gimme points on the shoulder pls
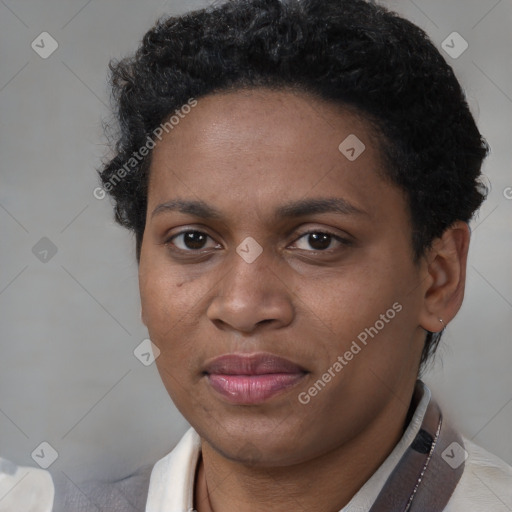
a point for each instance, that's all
(24, 488)
(486, 483)
(128, 494)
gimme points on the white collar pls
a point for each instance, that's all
(171, 488)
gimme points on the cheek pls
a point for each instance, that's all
(173, 308)
(371, 305)
(348, 298)
(170, 309)
(165, 295)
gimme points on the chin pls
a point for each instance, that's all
(264, 445)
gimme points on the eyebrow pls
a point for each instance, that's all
(297, 208)
(304, 207)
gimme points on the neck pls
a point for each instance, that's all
(324, 484)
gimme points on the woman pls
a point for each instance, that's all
(299, 176)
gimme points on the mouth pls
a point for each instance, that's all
(247, 379)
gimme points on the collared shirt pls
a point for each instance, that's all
(485, 486)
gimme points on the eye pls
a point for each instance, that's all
(319, 241)
(192, 240)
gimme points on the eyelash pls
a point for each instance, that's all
(342, 241)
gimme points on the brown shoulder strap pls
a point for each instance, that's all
(429, 470)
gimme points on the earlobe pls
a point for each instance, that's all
(446, 267)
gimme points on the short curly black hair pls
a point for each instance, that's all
(350, 52)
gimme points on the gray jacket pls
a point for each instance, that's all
(126, 495)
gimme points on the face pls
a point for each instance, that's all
(276, 276)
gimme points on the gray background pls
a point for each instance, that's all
(69, 325)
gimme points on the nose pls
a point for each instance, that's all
(251, 296)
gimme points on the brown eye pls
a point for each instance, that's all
(190, 240)
(319, 241)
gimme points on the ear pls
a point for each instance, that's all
(443, 287)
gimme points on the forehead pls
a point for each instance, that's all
(267, 146)
(251, 118)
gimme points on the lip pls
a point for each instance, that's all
(246, 379)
